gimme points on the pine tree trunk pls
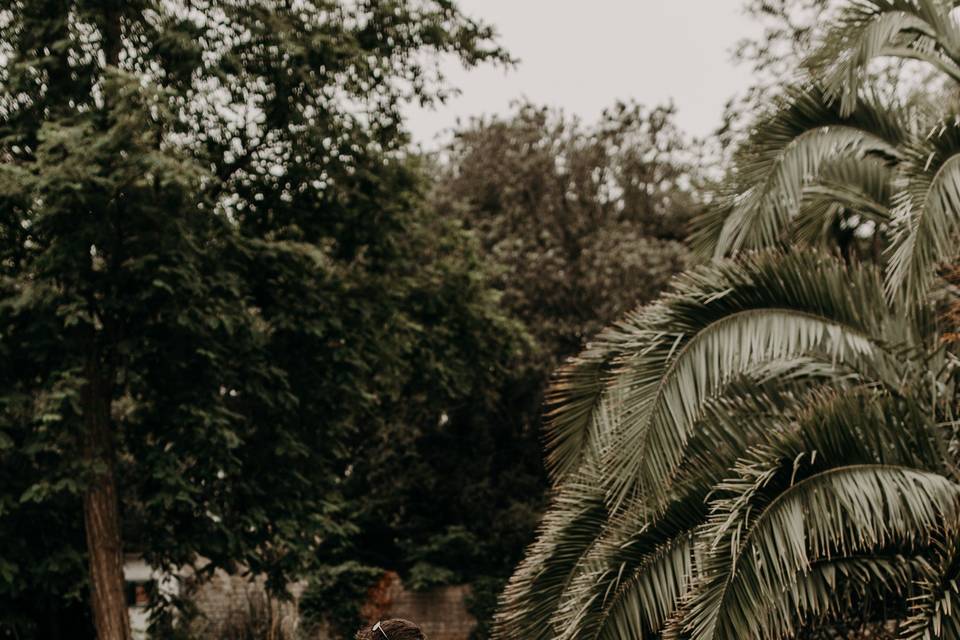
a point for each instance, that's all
(101, 512)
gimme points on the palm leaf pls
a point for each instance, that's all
(836, 512)
(631, 558)
(706, 228)
(829, 490)
(785, 153)
(869, 29)
(935, 611)
(722, 321)
(834, 587)
(574, 395)
(649, 595)
(927, 210)
(618, 566)
(632, 563)
(859, 188)
(571, 525)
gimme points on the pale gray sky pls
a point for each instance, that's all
(583, 55)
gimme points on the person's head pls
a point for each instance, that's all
(393, 629)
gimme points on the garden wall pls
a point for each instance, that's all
(228, 600)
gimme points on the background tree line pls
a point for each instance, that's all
(574, 224)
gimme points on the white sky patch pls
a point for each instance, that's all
(584, 56)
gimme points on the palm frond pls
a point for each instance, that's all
(706, 228)
(927, 210)
(833, 588)
(649, 595)
(833, 488)
(935, 611)
(571, 525)
(833, 513)
(848, 192)
(785, 153)
(866, 30)
(722, 321)
(647, 563)
(574, 395)
(751, 409)
(632, 557)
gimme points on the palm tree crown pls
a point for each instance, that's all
(771, 447)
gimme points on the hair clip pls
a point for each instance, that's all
(377, 627)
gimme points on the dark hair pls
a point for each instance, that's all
(393, 629)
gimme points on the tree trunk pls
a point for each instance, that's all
(101, 507)
(101, 511)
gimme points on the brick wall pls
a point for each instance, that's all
(225, 600)
(441, 612)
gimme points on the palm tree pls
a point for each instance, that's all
(771, 447)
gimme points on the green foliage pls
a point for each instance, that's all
(769, 449)
(335, 595)
(784, 37)
(583, 222)
(207, 227)
(857, 155)
(628, 546)
(574, 223)
(270, 297)
(482, 604)
(794, 143)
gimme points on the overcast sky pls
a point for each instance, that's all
(583, 55)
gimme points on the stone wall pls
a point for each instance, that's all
(225, 601)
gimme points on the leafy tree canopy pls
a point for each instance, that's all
(216, 276)
(583, 220)
(577, 222)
